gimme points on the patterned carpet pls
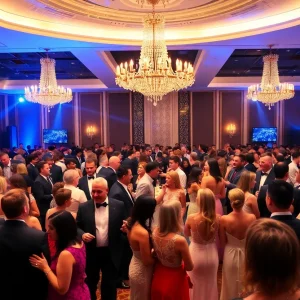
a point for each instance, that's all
(124, 294)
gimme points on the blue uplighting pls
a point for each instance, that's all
(21, 99)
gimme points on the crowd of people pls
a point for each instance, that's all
(158, 220)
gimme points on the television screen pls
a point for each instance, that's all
(55, 136)
(264, 134)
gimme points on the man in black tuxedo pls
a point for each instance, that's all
(279, 199)
(85, 182)
(119, 191)
(110, 173)
(42, 190)
(131, 162)
(281, 171)
(55, 171)
(234, 176)
(79, 157)
(32, 170)
(266, 174)
(99, 222)
(17, 243)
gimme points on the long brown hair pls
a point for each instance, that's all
(245, 180)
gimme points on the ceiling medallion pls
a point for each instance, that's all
(270, 90)
(152, 2)
(48, 93)
(154, 77)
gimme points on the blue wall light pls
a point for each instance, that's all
(21, 99)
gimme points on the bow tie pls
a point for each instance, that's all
(90, 177)
(104, 204)
(264, 174)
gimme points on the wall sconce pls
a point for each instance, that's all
(90, 131)
(231, 130)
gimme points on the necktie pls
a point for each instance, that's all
(233, 176)
(104, 204)
(49, 180)
(264, 174)
(90, 177)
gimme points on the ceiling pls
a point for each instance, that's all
(249, 62)
(120, 21)
(224, 39)
(19, 66)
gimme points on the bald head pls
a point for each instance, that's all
(114, 162)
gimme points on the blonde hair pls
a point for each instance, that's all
(207, 205)
(177, 152)
(237, 198)
(170, 218)
(21, 169)
(175, 177)
(143, 164)
(3, 185)
(245, 180)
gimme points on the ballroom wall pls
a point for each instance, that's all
(121, 117)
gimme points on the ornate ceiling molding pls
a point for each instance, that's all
(120, 22)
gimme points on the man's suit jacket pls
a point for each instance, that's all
(84, 186)
(290, 221)
(42, 192)
(269, 179)
(132, 164)
(251, 168)
(296, 202)
(118, 192)
(86, 224)
(145, 187)
(233, 177)
(56, 174)
(32, 172)
(109, 174)
(17, 243)
(261, 202)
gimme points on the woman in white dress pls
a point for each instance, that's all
(139, 236)
(233, 229)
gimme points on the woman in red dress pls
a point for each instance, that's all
(170, 280)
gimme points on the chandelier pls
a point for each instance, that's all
(270, 90)
(48, 93)
(154, 77)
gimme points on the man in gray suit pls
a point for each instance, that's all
(145, 185)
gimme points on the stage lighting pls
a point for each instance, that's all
(21, 99)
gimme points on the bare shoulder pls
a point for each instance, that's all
(180, 241)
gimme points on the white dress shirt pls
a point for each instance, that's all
(182, 178)
(283, 213)
(263, 178)
(293, 170)
(48, 179)
(90, 182)
(78, 196)
(7, 171)
(101, 221)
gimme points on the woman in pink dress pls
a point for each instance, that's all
(203, 229)
(66, 274)
(214, 181)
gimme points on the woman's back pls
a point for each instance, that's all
(165, 248)
(216, 187)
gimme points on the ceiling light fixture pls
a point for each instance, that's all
(154, 76)
(270, 90)
(48, 93)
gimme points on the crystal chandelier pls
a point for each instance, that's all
(270, 90)
(48, 93)
(154, 77)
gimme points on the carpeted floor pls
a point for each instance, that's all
(124, 294)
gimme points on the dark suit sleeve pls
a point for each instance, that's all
(79, 222)
(38, 192)
(45, 247)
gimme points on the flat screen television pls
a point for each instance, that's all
(264, 134)
(55, 136)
